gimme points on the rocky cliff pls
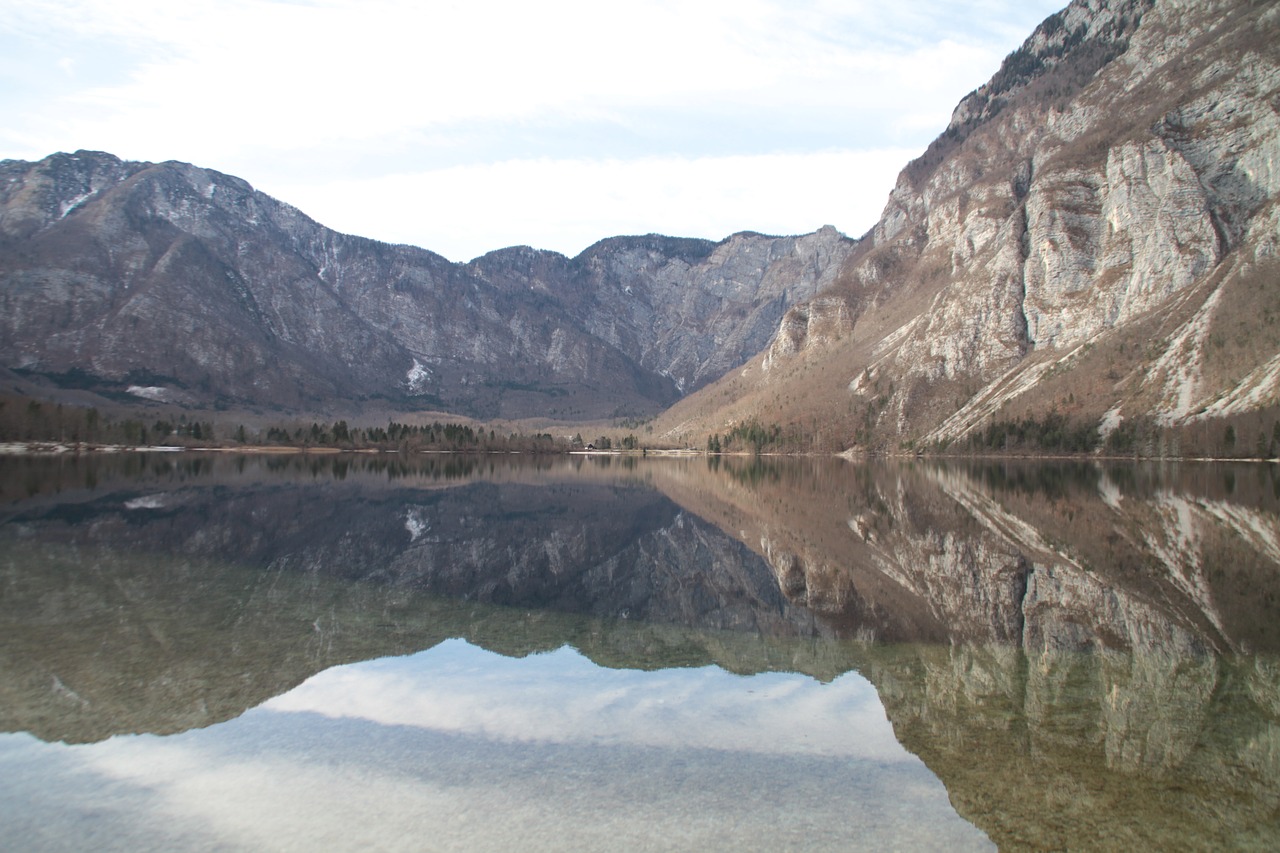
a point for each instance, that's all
(1094, 234)
(175, 283)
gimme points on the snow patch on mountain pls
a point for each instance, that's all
(418, 377)
(71, 204)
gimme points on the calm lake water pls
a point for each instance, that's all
(453, 653)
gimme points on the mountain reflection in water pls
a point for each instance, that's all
(1084, 654)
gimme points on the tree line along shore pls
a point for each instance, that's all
(30, 424)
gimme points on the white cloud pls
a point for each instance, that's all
(346, 100)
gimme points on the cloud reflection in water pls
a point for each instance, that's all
(562, 697)
(459, 748)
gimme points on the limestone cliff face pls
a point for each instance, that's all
(816, 323)
(687, 309)
(1114, 184)
(171, 282)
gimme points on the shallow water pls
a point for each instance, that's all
(250, 653)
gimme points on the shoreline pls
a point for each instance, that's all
(57, 448)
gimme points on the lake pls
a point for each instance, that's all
(216, 652)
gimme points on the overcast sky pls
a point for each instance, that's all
(470, 126)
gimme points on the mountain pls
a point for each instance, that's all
(175, 283)
(1089, 251)
(1087, 254)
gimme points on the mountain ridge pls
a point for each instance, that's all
(245, 300)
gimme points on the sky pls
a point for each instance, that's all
(464, 127)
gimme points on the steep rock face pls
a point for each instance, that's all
(177, 283)
(1110, 244)
(686, 309)
(725, 308)
(1113, 184)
